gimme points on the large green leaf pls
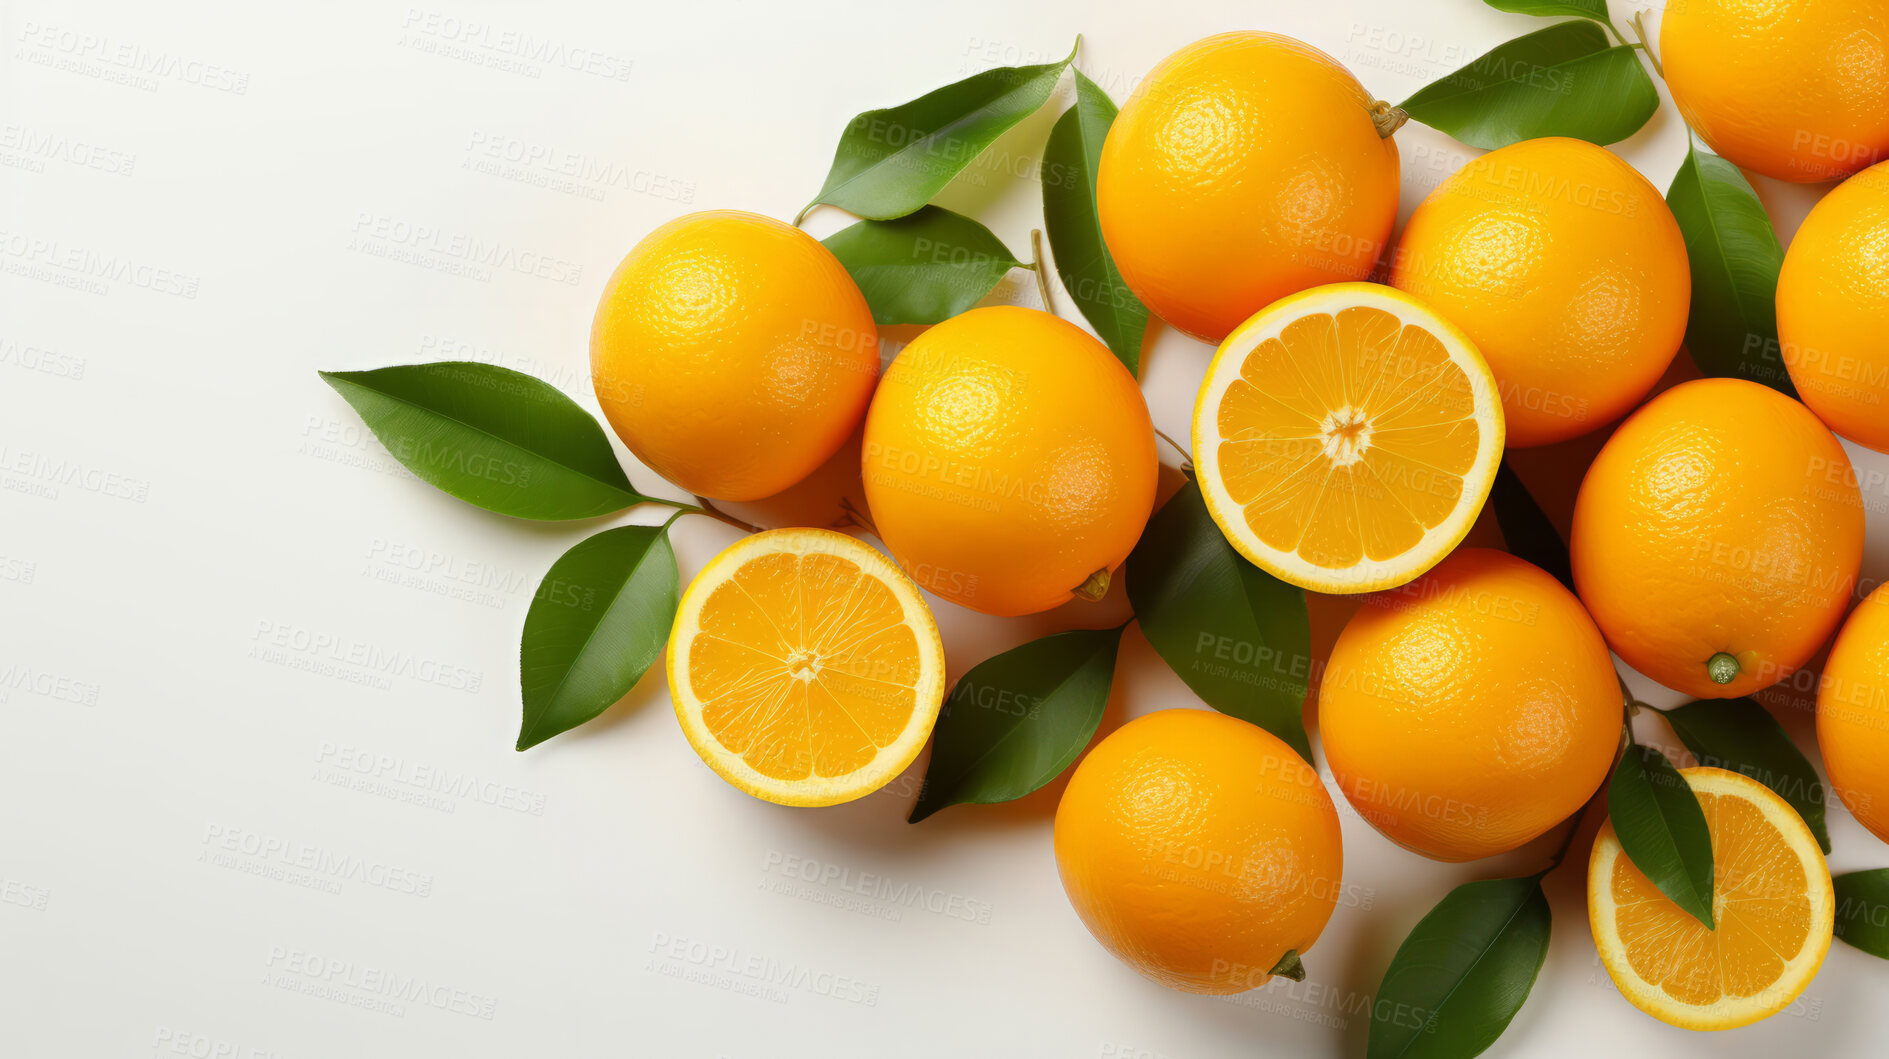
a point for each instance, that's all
(1237, 635)
(598, 622)
(1463, 972)
(1564, 80)
(1740, 735)
(1526, 529)
(923, 268)
(1016, 721)
(1662, 829)
(892, 161)
(1595, 9)
(1070, 161)
(491, 436)
(1863, 910)
(1735, 256)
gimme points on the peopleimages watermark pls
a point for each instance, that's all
(368, 987)
(345, 760)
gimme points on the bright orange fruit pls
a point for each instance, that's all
(732, 354)
(1243, 168)
(1199, 849)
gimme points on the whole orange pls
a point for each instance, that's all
(1567, 270)
(1246, 167)
(1717, 536)
(1853, 713)
(732, 353)
(1833, 308)
(1470, 710)
(1009, 461)
(1199, 849)
(1794, 89)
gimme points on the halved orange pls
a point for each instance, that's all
(805, 667)
(1345, 437)
(1771, 900)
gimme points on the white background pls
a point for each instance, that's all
(287, 651)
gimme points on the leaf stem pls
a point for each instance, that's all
(858, 517)
(1036, 249)
(1639, 34)
(804, 210)
(708, 508)
(1187, 459)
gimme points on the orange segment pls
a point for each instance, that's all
(805, 667)
(1346, 437)
(1771, 902)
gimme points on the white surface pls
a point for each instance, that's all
(281, 642)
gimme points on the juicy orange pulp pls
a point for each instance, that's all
(1760, 904)
(1348, 437)
(804, 665)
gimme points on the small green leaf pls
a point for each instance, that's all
(491, 436)
(1742, 736)
(1237, 635)
(923, 268)
(1016, 721)
(1662, 829)
(1070, 161)
(597, 623)
(1526, 529)
(1731, 329)
(1462, 974)
(1863, 910)
(1564, 80)
(890, 162)
(1594, 9)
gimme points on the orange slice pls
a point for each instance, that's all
(805, 667)
(1345, 437)
(1771, 900)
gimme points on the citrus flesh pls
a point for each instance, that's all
(1346, 437)
(1771, 902)
(805, 668)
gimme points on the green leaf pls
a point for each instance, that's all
(923, 268)
(1662, 829)
(598, 622)
(1237, 635)
(1735, 256)
(890, 162)
(1463, 972)
(1594, 9)
(1070, 161)
(1863, 910)
(1560, 81)
(1525, 529)
(1743, 737)
(491, 436)
(1016, 721)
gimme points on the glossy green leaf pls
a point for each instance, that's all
(1594, 9)
(1662, 829)
(1863, 910)
(598, 622)
(1237, 635)
(1016, 721)
(491, 436)
(1070, 161)
(892, 161)
(1731, 329)
(923, 268)
(1525, 527)
(1564, 80)
(1463, 973)
(1743, 737)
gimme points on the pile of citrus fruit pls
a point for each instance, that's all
(1345, 439)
